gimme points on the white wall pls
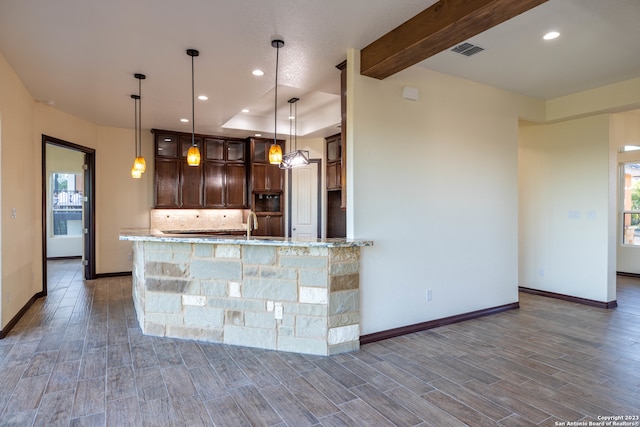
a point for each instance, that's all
(625, 130)
(434, 184)
(61, 160)
(565, 208)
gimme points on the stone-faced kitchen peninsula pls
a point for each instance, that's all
(271, 293)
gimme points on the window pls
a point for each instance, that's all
(629, 148)
(66, 204)
(631, 204)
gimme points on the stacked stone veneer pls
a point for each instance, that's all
(230, 294)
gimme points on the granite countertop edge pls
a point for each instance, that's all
(149, 235)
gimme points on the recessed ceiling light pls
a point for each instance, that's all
(245, 110)
(258, 134)
(551, 35)
(203, 97)
(292, 117)
(184, 120)
(257, 73)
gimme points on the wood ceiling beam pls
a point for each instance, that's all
(439, 27)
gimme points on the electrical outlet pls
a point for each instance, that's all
(270, 305)
(130, 256)
(278, 311)
(429, 295)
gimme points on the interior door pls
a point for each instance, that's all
(304, 202)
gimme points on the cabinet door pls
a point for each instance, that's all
(191, 185)
(259, 177)
(275, 226)
(214, 149)
(166, 145)
(259, 151)
(333, 176)
(275, 178)
(263, 222)
(236, 186)
(214, 184)
(167, 183)
(333, 148)
(270, 225)
(235, 151)
(185, 143)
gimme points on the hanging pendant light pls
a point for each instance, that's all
(139, 163)
(193, 154)
(136, 172)
(275, 151)
(296, 157)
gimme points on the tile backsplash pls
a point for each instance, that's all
(197, 219)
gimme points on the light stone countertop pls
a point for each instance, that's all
(151, 235)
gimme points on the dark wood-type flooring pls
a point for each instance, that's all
(78, 358)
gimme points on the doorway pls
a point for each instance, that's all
(68, 204)
(304, 201)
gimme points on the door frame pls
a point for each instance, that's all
(290, 197)
(88, 247)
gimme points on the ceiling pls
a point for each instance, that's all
(80, 56)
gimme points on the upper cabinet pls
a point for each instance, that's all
(343, 125)
(334, 163)
(225, 173)
(265, 177)
(220, 181)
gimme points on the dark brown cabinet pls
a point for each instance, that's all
(266, 188)
(270, 225)
(264, 176)
(190, 185)
(334, 162)
(343, 125)
(225, 173)
(167, 176)
(220, 181)
(336, 215)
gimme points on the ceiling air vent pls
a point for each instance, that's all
(467, 49)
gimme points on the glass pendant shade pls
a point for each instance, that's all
(275, 154)
(135, 173)
(193, 156)
(139, 164)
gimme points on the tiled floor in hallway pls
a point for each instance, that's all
(78, 358)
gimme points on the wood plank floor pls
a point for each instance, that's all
(78, 358)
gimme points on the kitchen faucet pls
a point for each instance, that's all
(255, 223)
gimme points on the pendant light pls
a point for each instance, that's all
(139, 164)
(296, 157)
(193, 154)
(135, 170)
(275, 151)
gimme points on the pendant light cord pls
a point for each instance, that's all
(139, 139)
(135, 124)
(275, 107)
(193, 108)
